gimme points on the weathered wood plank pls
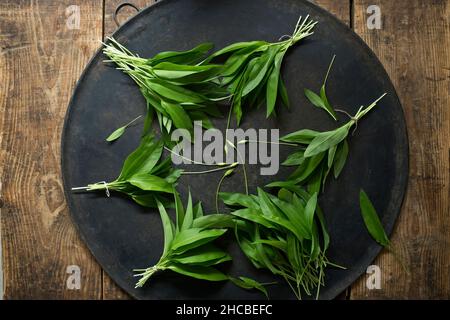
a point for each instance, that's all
(340, 8)
(40, 60)
(413, 44)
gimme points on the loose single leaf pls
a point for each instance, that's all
(328, 108)
(371, 220)
(116, 134)
(315, 99)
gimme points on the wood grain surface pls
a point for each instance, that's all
(414, 46)
(40, 61)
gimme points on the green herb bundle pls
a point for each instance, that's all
(285, 234)
(175, 86)
(145, 176)
(319, 153)
(251, 71)
(188, 247)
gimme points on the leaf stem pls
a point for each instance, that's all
(132, 121)
(269, 142)
(196, 162)
(211, 170)
(329, 69)
(226, 174)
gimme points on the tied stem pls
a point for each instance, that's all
(147, 273)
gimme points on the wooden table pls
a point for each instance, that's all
(40, 60)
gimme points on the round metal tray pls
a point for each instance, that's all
(122, 236)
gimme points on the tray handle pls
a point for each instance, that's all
(120, 6)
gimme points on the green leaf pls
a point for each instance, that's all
(285, 195)
(168, 227)
(325, 140)
(201, 116)
(307, 168)
(116, 134)
(325, 235)
(254, 216)
(281, 245)
(185, 57)
(271, 214)
(315, 99)
(179, 116)
(310, 209)
(189, 215)
(259, 71)
(297, 219)
(145, 200)
(149, 182)
(315, 244)
(295, 159)
(340, 158)
(331, 154)
(283, 93)
(328, 108)
(174, 92)
(315, 181)
(238, 199)
(206, 255)
(198, 210)
(247, 283)
(236, 62)
(293, 251)
(179, 210)
(192, 238)
(143, 159)
(198, 272)
(185, 73)
(214, 221)
(371, 220)
(304, 136)
(234, 47)
(173, 176)
(272, 83)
